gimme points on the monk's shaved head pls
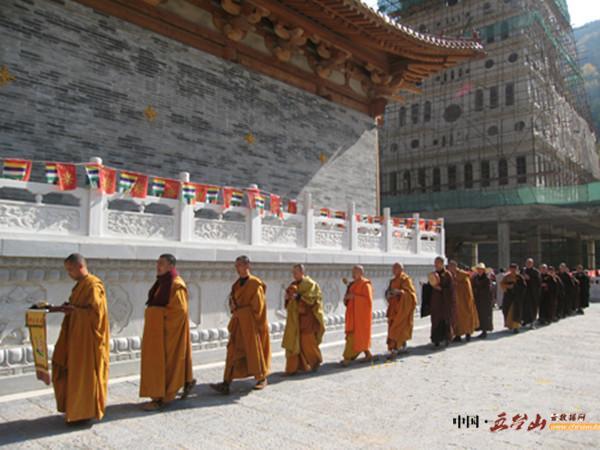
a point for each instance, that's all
(397, 269)
(299, 267)
(243, 259)
(76, 266)
(76, 259)
(242, 266)
(169, 258)
(358, 272)
(298, 272)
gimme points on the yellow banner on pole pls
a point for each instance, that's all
(35, 319)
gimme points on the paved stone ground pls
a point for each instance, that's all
(406, 404)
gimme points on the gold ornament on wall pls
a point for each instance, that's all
(150, 113)
(249, 138)
(323, 158)
(5, 76)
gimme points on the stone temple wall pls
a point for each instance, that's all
(83, 81)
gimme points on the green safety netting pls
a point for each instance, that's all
(581, 195)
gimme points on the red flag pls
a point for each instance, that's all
(293, 206)
(171, 189)
(67, 176)
(108, 180)
(140, 188)
(276, 205)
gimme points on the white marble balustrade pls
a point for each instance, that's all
(106, 218)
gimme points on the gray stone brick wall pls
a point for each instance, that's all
(83, 80)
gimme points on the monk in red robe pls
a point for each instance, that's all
(359, 315)
(249, 346)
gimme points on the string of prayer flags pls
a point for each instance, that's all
(325, 213)
(340, 215)
(17, 169)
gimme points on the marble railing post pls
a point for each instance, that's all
(185, 213)
(254, 223)
(441, 247)
(387, 228)
(417, 234)
(309, 221)
(97, 206)
(353, 229)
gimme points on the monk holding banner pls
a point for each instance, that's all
(166, 344)
(359, 315)
(305, 324)
(81, 354)
(467, 320)
(249, 346)
(402, 301)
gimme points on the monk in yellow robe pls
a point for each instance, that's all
(359, 316)
(305, 323)
(166, 344)
(249, 346)
(402, 301)
(82, 353)
(514, 286)
(467, 318)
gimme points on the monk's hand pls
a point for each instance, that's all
(349, 297)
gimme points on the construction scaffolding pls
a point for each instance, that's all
(518, 117)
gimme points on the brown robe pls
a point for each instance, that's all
(482, 291)
(443, 309)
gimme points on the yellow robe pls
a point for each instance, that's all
(467, 319)
(249, 346)
(304, 328)
(82, 354)
(401, 312)
(167, 346)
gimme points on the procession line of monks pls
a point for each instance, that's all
(458, 303)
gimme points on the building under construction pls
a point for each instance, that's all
(503, 146)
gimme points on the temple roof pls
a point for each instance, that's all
(341, 50)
